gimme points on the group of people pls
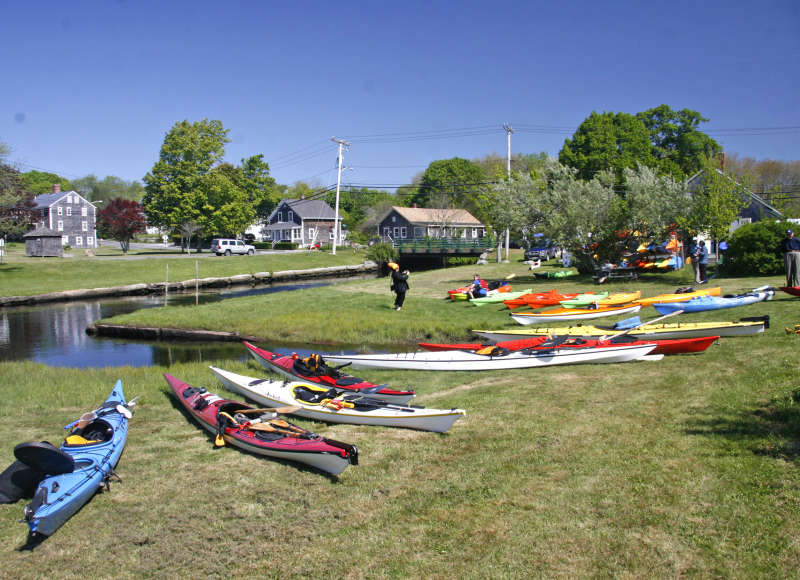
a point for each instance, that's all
(699, 254)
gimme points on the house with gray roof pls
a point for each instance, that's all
(69, 214)
(304, 222)
(415, 223)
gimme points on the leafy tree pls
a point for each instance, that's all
(225, 208)
(607, 141)
(260, 187)
(454, 183)
(355, 203)
(108, 188)
(715, 204)
(121, 219)
(16, 205)
(189, 152)
(678, 146)
(754, 250)
(38, 182)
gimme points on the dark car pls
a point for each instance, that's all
(543, 249)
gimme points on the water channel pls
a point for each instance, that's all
(55, 333)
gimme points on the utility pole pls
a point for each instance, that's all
(509, 131)
(341, 143)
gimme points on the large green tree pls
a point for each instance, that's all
(452, 183)
(108, 188)
(607, 141)
(16, 203)
(678, 146)
(38, 182)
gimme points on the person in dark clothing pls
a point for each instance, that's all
(399, 285)
(790, 246)
(702, 262)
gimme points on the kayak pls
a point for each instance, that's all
(793, 290)
(331, 405)
(703, 303)
(493, 287)
(671, 346)
(744, 327)
(538, 299)
(583, 300)
(83, 464)
(679, 297)
(527, 318)
(555, 274)
(263, 434)
(293, 367)
(615, 299)
(460, 360)
(498, 297)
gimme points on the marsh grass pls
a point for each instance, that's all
(685, 467)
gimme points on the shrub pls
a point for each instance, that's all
(754, 250)
(381, 253)
(284, 246)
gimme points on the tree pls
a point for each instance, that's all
(259, 186)
(453, 183)
(38, 182)
(716, 203)
(108, 188)
(16, 206)
(607, 141)
(678, 146)
(121, 220)
(189, 152)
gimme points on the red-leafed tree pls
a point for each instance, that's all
(120, 220)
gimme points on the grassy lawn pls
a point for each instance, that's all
(22, 276)
(683, 467)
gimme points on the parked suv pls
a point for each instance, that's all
(228, 246)
(542, 249)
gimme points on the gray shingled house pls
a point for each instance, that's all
(415, 223)
(69, 214)
(303, 221)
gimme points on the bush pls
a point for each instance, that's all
(284, 246)
(381, 253)
(754, 250)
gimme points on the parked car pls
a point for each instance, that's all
(543, 249)
(228, 246)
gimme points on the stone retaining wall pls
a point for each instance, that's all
(189, 285)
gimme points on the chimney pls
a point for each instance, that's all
(56, 187)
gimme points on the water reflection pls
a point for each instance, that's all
(55, 334)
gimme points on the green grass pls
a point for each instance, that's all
(685, 467)
(22, 276)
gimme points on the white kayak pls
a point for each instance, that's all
(323, 404)
(557, 314)
(460, 360)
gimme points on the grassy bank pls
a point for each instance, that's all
(683, 467)
(21, 276)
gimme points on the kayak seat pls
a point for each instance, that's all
(97, 431)
(312, 396)
(268, 435)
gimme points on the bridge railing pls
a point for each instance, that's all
(443, 246)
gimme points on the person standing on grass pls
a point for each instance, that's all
(693, 255)
(399, 285)
(702, 262)
(790, 246)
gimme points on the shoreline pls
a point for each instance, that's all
(189, 285)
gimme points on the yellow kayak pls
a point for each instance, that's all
(716, 291)
(617, 298)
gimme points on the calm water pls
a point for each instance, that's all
(55, 334)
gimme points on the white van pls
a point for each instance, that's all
(228, 246)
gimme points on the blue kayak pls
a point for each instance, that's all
(75, 471)
(703, 303)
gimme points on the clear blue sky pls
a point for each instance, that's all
(93, 87)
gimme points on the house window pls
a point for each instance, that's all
(474, 232)
(394, 218)
(464, 233)
(291, 216)
(280, 216)
(60, 210)
(69, 211)
(85, 226)
(78, 241)
(387, 232)
(419, 232)
(403, 232)
(89, 241)
(60, 226)
(64, 240)
(312, 233)
(84, 211)
(297, 233)
(69, 199)
(396, 232)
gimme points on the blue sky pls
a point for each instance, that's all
(93, 87)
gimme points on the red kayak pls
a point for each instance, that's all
(234, 423)
(664, 346)
(793, 290)
(539, 299)
(314, 370)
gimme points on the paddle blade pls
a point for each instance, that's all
(219, 441)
